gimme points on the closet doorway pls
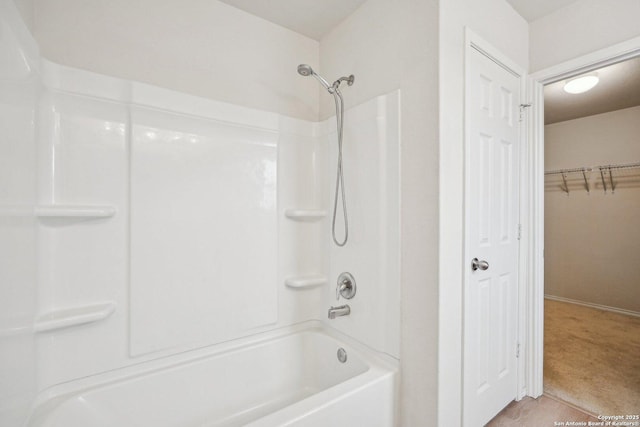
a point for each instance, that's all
(592, 240)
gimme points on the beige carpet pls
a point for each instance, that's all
(592, 358)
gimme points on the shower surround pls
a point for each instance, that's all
(167, 227)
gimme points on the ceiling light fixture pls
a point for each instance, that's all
(581, 84)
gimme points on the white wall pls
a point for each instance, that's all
(206, 48)
(580, 28)
(592, 240)
(500, 25)
(19, 85)
(390, 45)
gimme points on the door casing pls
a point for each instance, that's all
(533, 316)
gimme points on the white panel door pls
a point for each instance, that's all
(491, 298)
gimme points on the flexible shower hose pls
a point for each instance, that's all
(337, 96)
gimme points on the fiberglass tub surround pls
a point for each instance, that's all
(174, 231)
(150, 160)
(149, 170)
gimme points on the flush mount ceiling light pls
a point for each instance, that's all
(581, 84)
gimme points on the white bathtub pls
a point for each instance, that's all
(285, 378)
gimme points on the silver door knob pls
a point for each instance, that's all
(476, 264)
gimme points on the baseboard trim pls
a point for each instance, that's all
(588, 304)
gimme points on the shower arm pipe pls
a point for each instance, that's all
(336, 84)
(349, 81)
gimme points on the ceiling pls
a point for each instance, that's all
(312, 18)
(619, 88)
(534, 9)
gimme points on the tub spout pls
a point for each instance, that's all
(342, 310)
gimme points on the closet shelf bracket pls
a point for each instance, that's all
(564, 173)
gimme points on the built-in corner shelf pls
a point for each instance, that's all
(305, 214)
(65, 318)
(75, 211)
(306, 282)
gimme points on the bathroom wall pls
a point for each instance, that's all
(580, 28)
(206, 48)
(391, 45)
(19, 85)
(592, 240)
(497, 23)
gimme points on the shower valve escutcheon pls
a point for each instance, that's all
(346, 286)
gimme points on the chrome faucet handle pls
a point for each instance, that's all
(346, 286)
(341, 287)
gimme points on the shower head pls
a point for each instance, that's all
(305, 70)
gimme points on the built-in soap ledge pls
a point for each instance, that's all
(306, 282)
(75, 211)
(305, 214)
(76, 316)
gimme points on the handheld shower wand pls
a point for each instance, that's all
(333, 89)
(305, 70)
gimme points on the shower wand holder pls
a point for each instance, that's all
(350, 80)
(336, 84)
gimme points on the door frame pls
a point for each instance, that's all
(473, 42)
(533, 317)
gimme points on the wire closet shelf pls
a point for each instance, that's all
(608, 175)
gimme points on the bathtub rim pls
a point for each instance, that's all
(377, 363)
